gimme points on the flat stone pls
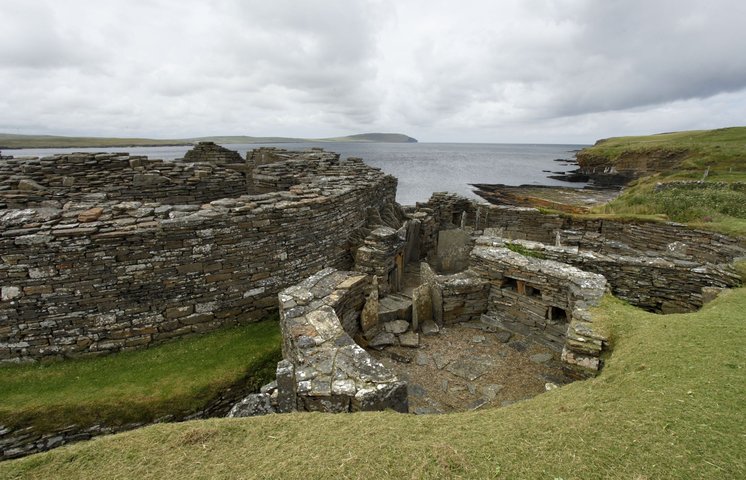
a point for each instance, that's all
(470, 368)
(480, 402)
(440, 361)
(10, 293)
(409, 339)
(90, 215)
(422, 359)
(416, 390)
(478, 339)
(490, 391)
(396, 326)
(541, 357)
(251, 406)
(518, 346)
(383, 339)
(503, 336)
(429, 328)
(397, 357)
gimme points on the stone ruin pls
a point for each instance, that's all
(111, 252)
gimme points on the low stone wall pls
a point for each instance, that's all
(95, 276)
(323, 368)
(54, 180)
(541, 299)
(654, 284)
(654, 239)
(458, 298)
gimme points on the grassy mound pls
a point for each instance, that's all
(717, 158)
(175, 378)
(669, 404)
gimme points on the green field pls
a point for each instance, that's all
(669, 404)
(716, 157)
(176, 378)
(10, 141)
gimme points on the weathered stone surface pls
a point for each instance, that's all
(396, 326)
(10, 293)
(471, 368)
(541, 357)
(369, 315)
(383, 339)
(422, 306)
(430, 328)
(323, 369)
(251, 406)
(90, 215)
(409, 339)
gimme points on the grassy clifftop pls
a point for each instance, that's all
(678, 155)
(705, 173)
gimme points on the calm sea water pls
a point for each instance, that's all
(422, 168)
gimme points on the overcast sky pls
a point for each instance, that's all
(566, 71)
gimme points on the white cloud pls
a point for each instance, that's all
(518, 70)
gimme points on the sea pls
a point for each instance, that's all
(422, 168)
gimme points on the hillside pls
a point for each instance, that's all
(680, 155)
(668, 404)
(694, 177)
(375, 137)
(11, 141)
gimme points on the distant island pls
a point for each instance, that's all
(12, 141)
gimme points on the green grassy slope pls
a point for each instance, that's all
(716, 156)
(175, 378)
(668, 404)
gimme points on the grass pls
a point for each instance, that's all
(719, 205)
(175, 378)
(668, 404)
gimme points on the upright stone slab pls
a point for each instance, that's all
(422, 306)
(286, 398)
(369, 316)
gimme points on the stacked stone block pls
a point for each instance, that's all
(323, 368)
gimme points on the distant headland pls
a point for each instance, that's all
(12, 141)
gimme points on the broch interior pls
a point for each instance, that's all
(447, 305)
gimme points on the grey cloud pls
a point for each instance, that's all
(477, 70)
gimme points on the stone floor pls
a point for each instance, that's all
(464, 368)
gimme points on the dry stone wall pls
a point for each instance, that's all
(656, 284)
(95, 276)
(544, 300)
(323, 368)
(653, 239)
(54, 180)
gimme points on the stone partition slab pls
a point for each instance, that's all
(324, 369)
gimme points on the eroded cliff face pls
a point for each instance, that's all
(607, 169)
